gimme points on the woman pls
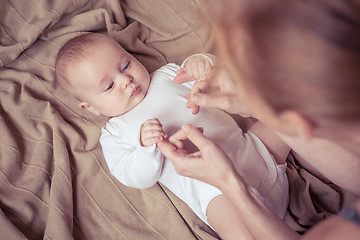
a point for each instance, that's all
(295, 65)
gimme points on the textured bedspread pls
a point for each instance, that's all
(54, 182)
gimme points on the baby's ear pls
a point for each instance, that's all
(89, 108)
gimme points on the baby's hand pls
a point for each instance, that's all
(151, 132)
(197, 68)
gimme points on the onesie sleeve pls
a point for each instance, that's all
(134, 166)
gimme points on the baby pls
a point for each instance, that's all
(145, 109)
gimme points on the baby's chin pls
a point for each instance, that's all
(119, 113)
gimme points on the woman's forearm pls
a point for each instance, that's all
(314, 156)
(262, 223)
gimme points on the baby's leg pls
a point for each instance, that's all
(275, 145)
(225, 219)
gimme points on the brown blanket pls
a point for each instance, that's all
(54, 182)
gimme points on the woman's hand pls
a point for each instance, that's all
(198, 87)
(210, 164)
(216, 90)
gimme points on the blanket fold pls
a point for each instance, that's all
(54, 181)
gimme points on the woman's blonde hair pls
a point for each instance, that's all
(300, 55)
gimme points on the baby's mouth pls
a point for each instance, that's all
(136, 91)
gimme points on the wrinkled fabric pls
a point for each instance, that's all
(54, 182)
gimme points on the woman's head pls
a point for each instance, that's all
(297, 55)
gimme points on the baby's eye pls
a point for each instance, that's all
(110, 87)
(126, 67)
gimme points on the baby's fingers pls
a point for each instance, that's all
(152, 124)
(181, 77)
(151, 136)
(198, 69)
(151, 132)
(148, 141)
(203, 70)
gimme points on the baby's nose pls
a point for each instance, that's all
(126, 80)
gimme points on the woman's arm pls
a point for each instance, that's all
(274, 144)
(346, 226)
(314, 156)
(262, 222)
(212, 165)
(264, 225)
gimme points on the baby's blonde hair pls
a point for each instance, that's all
(72, 52)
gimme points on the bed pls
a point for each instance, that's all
(54, 182)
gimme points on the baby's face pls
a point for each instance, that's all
(110, 81)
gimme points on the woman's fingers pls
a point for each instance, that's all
(198, 87)
(178, 137)
(173, 153)
(210, 164)
(195, 135)
(228, 103)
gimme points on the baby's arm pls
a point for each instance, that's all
(132, 165)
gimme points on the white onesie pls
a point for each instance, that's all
(141, 167)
